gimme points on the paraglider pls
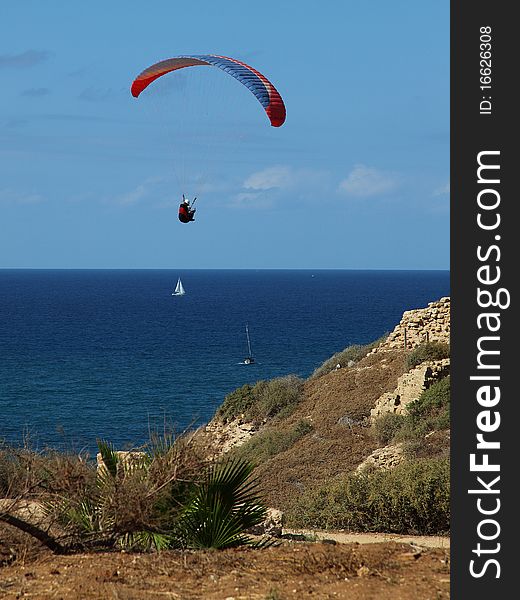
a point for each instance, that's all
(263, 90)
(186, 210)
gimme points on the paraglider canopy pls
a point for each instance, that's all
(260, 86)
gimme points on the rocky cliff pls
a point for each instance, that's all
(430, 324)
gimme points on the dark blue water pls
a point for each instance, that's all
(112, 354)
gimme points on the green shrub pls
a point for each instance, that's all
(433, 405)
(264, 400)
(278, 396)
(270, 442)
(412, 498)
(301, 428)
(427, 351)
(236, 403)
(387, 427)
(430, 412)
(350, 354)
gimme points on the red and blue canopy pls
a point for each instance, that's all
(260, 86)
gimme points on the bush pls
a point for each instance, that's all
(427, 351)
(412, 498)
(432, 408)
(270, 442)
(10, 473)
(25, 473)
(278, 397)
(264, 400)
(163, 496)
(236, 403)
(351, 354)
(430, 412)
(432, 400)
(387, 427)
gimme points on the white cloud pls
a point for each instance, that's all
(270, 178)
(366, 181)
(264, 188)
(152, 188)
(134, 196)
(283, 177)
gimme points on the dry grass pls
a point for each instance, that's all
(331, 447)
(385, 571)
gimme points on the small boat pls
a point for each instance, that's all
(179, 289)
(249, 360)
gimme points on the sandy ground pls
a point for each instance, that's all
(321, 570)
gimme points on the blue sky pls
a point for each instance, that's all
(356, 178)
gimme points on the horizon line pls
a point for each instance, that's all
(216, 269)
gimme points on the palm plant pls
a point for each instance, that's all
(224, 505)
(146, 501)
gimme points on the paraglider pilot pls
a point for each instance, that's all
(186, 211)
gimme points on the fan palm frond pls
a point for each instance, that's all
(224, 506)
(145, 540)
(109, 456)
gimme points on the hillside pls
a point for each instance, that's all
(364, 408)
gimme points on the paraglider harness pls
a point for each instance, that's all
(186, 211)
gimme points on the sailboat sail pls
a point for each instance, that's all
(248, 341)
(249, 360)
(179, 289)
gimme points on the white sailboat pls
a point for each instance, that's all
(179, 289)
(249, 360)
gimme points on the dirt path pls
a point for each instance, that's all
(422, 541)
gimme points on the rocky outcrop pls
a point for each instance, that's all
(387, 457)
(410, 386)
(232, 434)
(430, 324)
(272, 524)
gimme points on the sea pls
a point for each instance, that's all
(113, 355)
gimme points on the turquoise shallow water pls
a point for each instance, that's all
(112, 354)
